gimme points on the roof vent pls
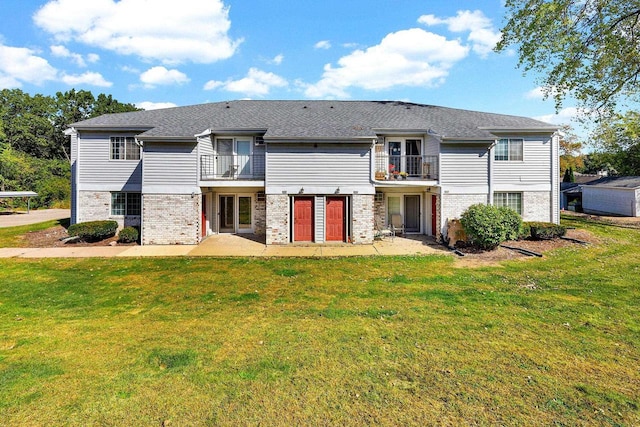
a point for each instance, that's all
(304, 106)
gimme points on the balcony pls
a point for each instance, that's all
(231, 167)
(415, 168)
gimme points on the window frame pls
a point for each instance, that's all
(504, 198)
(129, 205)
(124, 148)
(504, 150)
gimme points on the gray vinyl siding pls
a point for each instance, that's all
(328, 165)
(170, 164)
(205, 146)
(258, 160)
(464, 165)
(535, 168)
(97, 168)
(431, 146)
(319, 206)
(610, 200)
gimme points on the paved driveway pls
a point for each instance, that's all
(22, 218)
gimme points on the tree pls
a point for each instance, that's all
(568, 176)
(584, 48)
(618, 142)
(570, 150)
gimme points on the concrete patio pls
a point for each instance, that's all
(231, 245)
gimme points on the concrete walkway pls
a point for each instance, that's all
(15, 219)
(226, 245)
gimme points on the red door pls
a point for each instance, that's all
(203, 224)
(434, 215)
(335, 219)
(303, 219)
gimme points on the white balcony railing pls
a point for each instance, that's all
(231, 167)
(410, 167)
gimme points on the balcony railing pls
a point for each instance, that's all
(412, 167)
(231, 167)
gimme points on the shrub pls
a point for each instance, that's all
(525, 231)
(546, 230)
(93, 231)
(128, 235)
(487, 226)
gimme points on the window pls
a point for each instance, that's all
(509, 150)
(125, 204)
(510, 200)
(124, 148)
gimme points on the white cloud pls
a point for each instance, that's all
(256, 83)
(535, 93)
(88, 78)
(166, 30)
(162, 76)
(482, 36)
(62, 52)
(277, 60)
(93, 58)
(148, 105)
(20, 65)
(564, 116)
(411, 57)
(323, 44)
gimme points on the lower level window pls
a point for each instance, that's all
(510, 200)
(125, 203)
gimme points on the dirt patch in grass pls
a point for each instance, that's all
(52, 238)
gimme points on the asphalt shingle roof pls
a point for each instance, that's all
(313, 120)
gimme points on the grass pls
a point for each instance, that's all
(349, 341)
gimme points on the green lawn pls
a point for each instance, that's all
(351, 341)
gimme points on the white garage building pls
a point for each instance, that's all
(614, 195)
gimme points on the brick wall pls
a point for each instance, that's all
(96, 206)
(260, 218)
(453, 205)
(536, 206)
(170, 219)
(277, 219)
(362, 221)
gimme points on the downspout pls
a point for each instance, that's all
(490, 172)
(141, 145)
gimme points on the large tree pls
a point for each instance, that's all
(618, 142)
(570, 150)
(588, 49)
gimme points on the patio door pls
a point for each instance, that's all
(233, 157)
(227, 214)
(412, 213)
(236, 215)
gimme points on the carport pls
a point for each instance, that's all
(19, 194)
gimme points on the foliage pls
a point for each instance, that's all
(569, 176)
(344, 341)
(570, 150)
(487, 226)
(546, 230)
(33, 147)
(618, 142)
(93, 231)
(50, 178)
(128, 235)
(582, 48)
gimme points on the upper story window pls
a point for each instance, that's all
(509, 150)
(124, 148)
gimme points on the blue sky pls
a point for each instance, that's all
(156, 53)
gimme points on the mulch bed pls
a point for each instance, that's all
(51, 238)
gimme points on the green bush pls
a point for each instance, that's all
(93, 231)
(487, 226)
(546, 230)
(525, 231)
(128, 235)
